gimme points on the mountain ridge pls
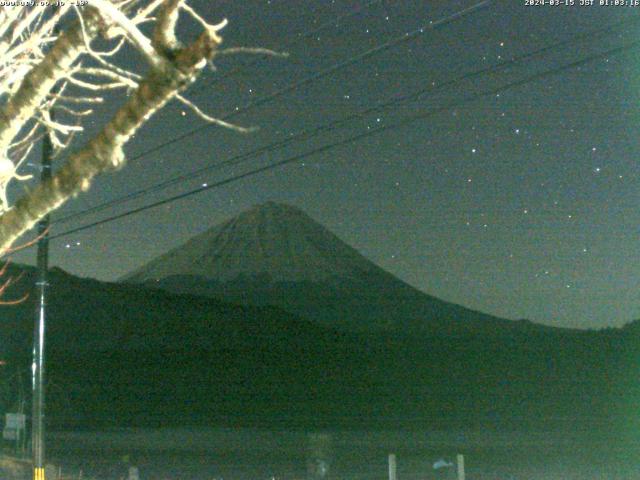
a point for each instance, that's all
(275, 254)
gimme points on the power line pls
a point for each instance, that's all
(309, 133)
(300, 37)
(404, 122)
(323, 73)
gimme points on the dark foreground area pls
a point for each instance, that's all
(187, 387)
(255, 454)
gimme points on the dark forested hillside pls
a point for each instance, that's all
(124, 355)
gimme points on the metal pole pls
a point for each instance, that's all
(392, 467)
(37, 421)
(460, 462)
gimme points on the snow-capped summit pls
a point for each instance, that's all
(273, 241)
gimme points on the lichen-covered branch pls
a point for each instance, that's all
(40, 80)
(105, 151)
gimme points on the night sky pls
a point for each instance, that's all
(522, 203)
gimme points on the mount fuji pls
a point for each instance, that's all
(275, 254)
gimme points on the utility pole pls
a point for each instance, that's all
(42, 284)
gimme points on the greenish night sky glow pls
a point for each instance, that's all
(522, 204)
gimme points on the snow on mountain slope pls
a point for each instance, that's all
(274, 240)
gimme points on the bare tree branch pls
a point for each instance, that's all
(40, 80)
(104, 152)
